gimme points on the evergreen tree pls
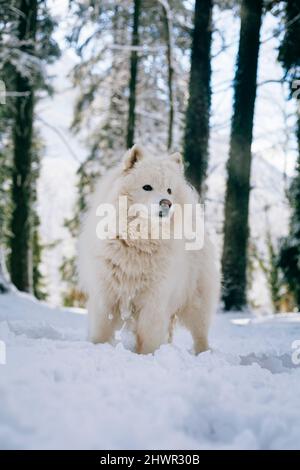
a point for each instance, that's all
(25, 48)
(20, 267)
(168, 26)
(7, 30)
(290, 248)
(36, 250)
(102, 39)
(289, 56)
(236, 230)
(133, 74)
(198, 110)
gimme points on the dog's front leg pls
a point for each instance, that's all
(103, 319)
(152, 328)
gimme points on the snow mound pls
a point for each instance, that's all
(58, 391)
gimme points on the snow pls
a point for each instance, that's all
(59, 391)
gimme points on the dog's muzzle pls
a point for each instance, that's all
(164, 207)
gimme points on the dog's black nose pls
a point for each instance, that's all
(165, 202)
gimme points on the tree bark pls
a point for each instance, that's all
(20, 268)
(295, 222)
(133, 74)
(289, 258)
(169, 42)
(289, 56)
(198, 109)
(5, 285)
(236, 230)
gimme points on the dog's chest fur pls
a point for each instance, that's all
(134, 267)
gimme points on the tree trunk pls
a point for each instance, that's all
(289, 258)
(289, 56)
(198, 110)
(169, 42)
(295, 222)
(133, 74)
(236, 231)
(5, 286)
(20, 269)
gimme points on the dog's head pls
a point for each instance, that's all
(152, 182)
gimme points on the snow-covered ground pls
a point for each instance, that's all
(59, 391)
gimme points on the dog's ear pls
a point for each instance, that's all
(177, 158)
(132, 155)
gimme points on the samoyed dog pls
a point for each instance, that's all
(131, 265)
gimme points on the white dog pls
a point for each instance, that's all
(151, 280)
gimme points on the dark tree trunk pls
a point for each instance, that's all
(20, 268)
(289, 258)
(198, 110)
(236, 230)
(4, 283)
(289, 56)
(133, 74)
(295, 222)
(169, 43)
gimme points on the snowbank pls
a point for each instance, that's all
(58, 391)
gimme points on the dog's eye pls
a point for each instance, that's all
(147, 187)
(169, 191)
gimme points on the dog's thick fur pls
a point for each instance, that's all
(155, 280)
